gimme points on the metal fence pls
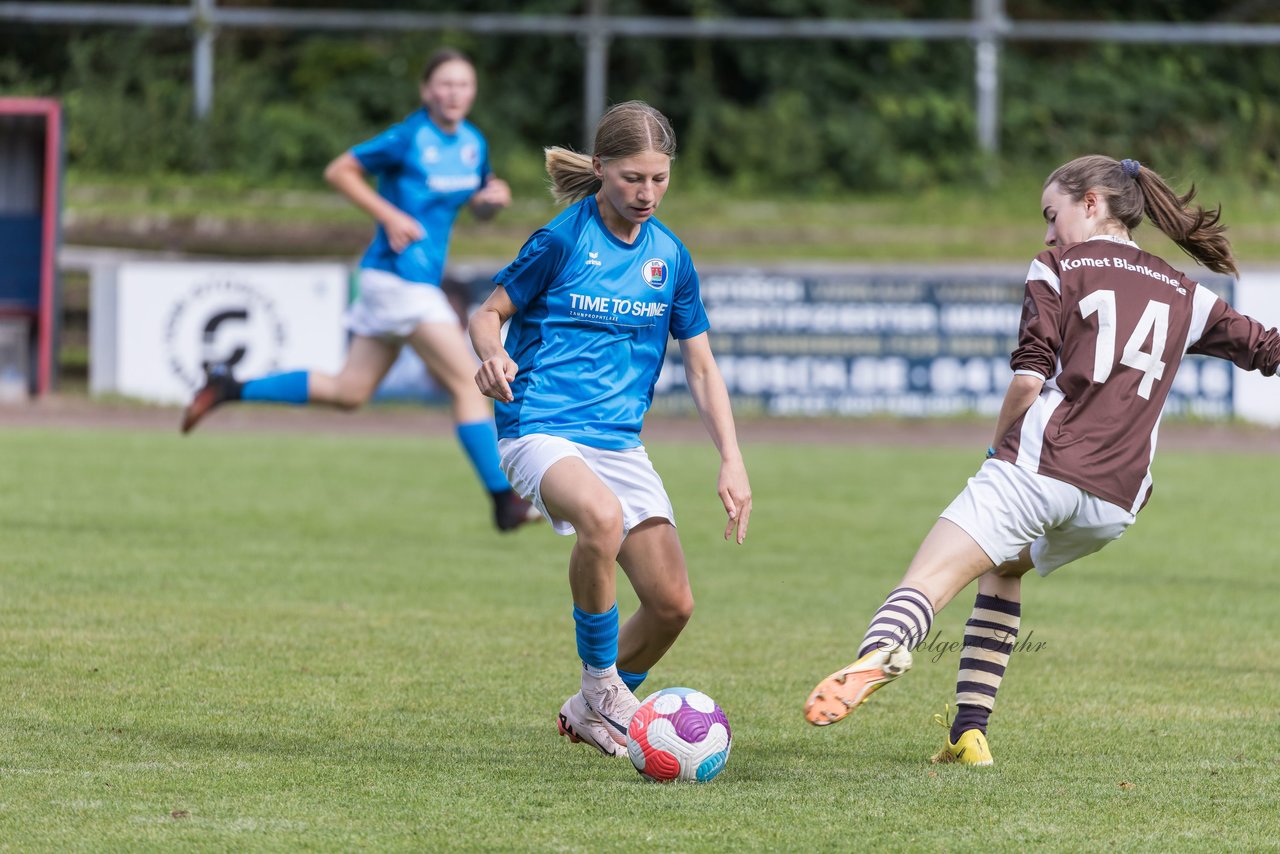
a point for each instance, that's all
(595, 29)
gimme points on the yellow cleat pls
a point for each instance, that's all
(846, 689)
(970, 749)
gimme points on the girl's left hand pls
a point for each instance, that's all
(735, 491)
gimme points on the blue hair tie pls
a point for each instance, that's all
(1130, 167)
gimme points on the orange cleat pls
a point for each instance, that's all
(846, 689)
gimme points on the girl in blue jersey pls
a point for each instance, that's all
(428, 167)
(591, 300)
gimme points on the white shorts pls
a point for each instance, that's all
(1006, 508)
(390, 307)
(628, 474)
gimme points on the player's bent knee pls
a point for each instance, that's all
(600, 524)
(677, 612)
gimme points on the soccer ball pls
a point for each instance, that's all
(679, 734)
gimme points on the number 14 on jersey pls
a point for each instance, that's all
(1153, 324)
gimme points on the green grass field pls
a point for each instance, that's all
(242, 642)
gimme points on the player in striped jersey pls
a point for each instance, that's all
(1105, 326)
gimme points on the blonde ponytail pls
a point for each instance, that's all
(572, 177)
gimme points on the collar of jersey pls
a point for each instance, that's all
(430, 122)
(1113, 239)
(617, 241)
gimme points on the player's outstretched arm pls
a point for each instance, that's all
(497, 369)
(712, 400)
(347, 176)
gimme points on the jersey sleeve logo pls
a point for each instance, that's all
(654, 272)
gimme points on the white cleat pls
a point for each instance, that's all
(613, 702)
(579, 724)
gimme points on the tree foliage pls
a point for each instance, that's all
(756, 115)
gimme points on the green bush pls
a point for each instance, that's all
(128, 106)
(782, 116)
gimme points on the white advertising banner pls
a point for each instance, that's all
(156, 325)
(1257, 398)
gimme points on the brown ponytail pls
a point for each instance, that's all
(1133, 190)
(1199, 232)
(627, 129)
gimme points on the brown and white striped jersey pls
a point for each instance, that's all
(1106, 325)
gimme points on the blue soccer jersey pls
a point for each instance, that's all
(590, 331)
(428, 174)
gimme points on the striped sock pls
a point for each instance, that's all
(904, 618)
(988, 641)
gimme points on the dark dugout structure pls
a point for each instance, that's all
(30, 201)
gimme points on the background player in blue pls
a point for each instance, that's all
(428, 167)
(591, 300)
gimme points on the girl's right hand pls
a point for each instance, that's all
(495, 376)
(402, 230)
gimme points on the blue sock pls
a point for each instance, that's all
(633, 680)
(597, 637)
(277, 388)
(480, 440)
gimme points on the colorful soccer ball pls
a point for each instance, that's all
(679, 734)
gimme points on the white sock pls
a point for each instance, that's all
(599, 673)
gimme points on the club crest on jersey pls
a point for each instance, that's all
(654, 273)
(469, 154)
